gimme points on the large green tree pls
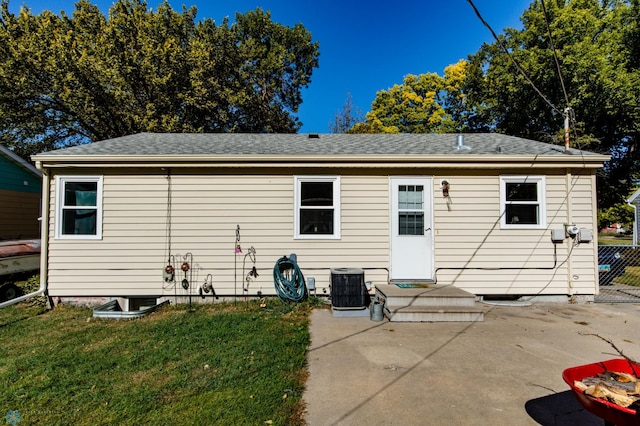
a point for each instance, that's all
(596, 43)
(73, 79)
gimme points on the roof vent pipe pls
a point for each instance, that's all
(460, 143)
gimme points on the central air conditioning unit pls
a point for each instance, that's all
(348, 290)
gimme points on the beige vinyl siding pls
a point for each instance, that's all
(206, 209)
(473, 252)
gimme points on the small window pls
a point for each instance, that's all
(522, 201)
(79, 207)
(317, 204)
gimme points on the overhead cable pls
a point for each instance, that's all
(517, 65)
(555, 56)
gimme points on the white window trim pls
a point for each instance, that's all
(336, 207)
(542, 211)
(60, 183)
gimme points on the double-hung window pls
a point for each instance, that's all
(79, 207)
(317, 207)
(523, 202)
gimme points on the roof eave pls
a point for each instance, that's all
(46, 161)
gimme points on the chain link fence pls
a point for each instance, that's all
(619, 273)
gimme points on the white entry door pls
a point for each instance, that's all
(411, 233)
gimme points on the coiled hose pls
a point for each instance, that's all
(289, 281)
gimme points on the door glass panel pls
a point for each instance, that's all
(411, 210)
(410, 197)
(411, 223)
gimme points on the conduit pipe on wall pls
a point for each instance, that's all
(44, 236)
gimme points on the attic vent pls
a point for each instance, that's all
(460, 143)
(314, 136)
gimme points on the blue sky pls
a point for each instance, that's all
(365, 46)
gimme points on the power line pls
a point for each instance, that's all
(517, 65)
(555, 56)
(568, 111)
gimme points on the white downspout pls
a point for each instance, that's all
(44, 244)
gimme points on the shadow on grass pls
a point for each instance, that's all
(560, 409)
(13, 314)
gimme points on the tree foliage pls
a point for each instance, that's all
(620, 213)
(71, 79)
(423, 103)
(598, 49)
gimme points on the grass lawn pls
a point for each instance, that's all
(631, 276)
(606, 239)
(233, 364)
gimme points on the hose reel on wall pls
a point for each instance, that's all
(289, 280)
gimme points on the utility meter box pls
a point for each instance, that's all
(557, 235)
(585, 235)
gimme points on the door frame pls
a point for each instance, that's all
(427, 182)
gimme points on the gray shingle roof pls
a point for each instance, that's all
(225, 144)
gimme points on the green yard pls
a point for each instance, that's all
(235, 364)
(631, 276)
(614, 239)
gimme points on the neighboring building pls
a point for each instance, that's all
(20, 192)
(477, 211)
(634, 201)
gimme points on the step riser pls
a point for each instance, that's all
(429, 304)
(431, 301)
(435, 316)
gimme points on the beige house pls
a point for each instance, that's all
(488, 213)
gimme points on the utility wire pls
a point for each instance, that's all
(555, 56)
(517, 65)
(569, 111)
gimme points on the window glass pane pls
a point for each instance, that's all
(410, 197)
(522, 191)
(316, 221)
(80, 194)
(79, 222)
(316, 193)
(411, 223)
(522, 214)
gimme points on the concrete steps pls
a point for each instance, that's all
(428, 303)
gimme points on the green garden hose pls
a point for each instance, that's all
(289, 281)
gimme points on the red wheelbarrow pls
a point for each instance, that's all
(611, 413)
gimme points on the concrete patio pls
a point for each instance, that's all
(506, 370)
